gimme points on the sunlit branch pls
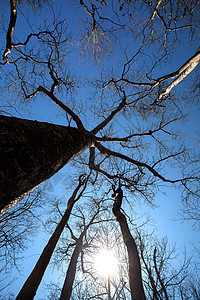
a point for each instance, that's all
(182, 72)
(51, 72)
(167, 28)
(92, 14)
(155, 9)
(11, 28)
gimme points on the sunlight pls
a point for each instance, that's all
(106, 263)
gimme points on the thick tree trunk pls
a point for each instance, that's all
(135, 276)
(71, 271)
(30, 287)
(31, 152)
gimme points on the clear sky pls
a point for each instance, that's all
(42, 109)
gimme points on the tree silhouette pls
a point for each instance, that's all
(123, 121)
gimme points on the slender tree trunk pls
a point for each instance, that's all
(158, 275)
(30, 287)
(31, 152)
(71, 271)
(135, 276)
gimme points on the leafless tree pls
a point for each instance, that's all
(166, 271)
(135, 273)
(79, 244)
(29, 288)
(137, 93)
(18, 226)
(129, 129)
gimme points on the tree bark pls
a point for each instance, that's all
(30, 287)
(11, 28)
(71, 271)
(31, 152)
(135, 276)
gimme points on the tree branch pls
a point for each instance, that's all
(110, 117)
(11, 28)
(182, 72)
(104, 150)
(62, 105)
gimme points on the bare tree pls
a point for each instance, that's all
(151, 97)
(131, 125)
(71, 271)
(135, 274)
(166, 270)
(29, 288)
(18, 227)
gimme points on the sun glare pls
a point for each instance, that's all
(106, 263)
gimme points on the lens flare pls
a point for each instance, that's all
(106, 263)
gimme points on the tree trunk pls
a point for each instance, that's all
(135, 276)
(31, 152)
(30, 287)
(71, 271)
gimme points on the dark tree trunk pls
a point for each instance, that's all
(30, 287)
(71, 271)
(135, 276)
(31, 152)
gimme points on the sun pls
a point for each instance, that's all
(106, 263)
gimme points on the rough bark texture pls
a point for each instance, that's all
(135, 276)
(31, 152)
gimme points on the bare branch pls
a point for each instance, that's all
(61, 104)
(104, 150)
(110, 117)
(182, 72)
(11, 28)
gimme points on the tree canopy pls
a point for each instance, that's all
(124, 76)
